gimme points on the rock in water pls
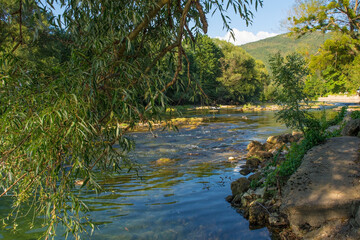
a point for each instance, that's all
(240, 186)
(164, 161)
(258, 215)
(255, 146)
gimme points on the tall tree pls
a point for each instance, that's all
(243, 77)
(335, 63)
(59, 119)
(333, 68)
(326, 15)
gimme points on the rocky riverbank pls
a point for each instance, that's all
(320, 200)
(259, 204)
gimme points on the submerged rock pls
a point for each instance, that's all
(164, 161)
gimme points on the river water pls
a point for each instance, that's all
(184, 199)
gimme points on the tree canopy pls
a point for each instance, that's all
(334, 68)
(72, 86)
(326, 15)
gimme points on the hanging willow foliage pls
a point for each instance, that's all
(72, 86)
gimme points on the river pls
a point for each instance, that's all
(184, 199)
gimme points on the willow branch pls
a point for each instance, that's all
(106, 150)
(178, 69)
(161, 55)
(202, 16)
(4, 158)
(180, 51)
(20, 22)
(132, 35)
(188, 66)
(12, 185)
(190, 33)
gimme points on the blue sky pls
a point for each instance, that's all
(266, 22)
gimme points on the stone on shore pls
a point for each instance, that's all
(352, 128)
(255, 146)
(240, 186)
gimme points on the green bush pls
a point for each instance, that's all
(355, 115)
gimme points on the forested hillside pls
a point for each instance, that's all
(306, 45)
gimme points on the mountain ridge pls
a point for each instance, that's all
(265, 48)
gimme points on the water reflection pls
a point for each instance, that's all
(183, 199)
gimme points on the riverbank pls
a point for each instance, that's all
(178, 115)
(340, 98)
(320, 200)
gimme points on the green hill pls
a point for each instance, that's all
(306, 45)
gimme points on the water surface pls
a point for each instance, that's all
(184, 199)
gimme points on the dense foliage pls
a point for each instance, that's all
(220, 72)
(289, 73)
(326, 15)
(72, 86)
(335, 68)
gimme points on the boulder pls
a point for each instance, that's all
(278, 220)
(255, 146)
(246, 170)
(240, 186)
(246, 199)
(253, 162)
(259, 192)
(297, 135)
(332, 129)
(275, 147)
(352, 128)
(229, 198)
(261, 155)
(258, 214)
(289, 138)
(276, 139)
(237, 200)
(256, 176)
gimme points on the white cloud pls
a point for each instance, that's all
(243, 37)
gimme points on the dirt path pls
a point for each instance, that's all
(325, 189)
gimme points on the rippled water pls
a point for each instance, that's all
(184, 199)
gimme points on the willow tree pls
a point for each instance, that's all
(62, 110)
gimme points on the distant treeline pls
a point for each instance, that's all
(216, 71)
